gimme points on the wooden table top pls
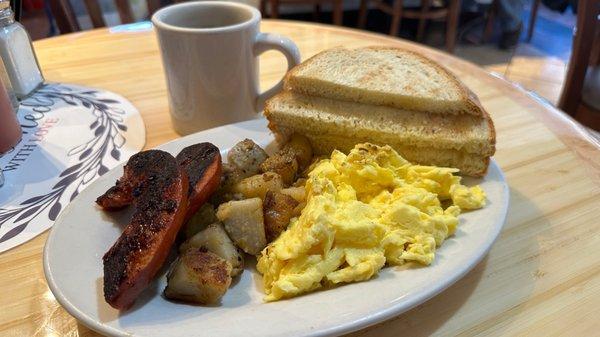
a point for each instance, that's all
(542, 276)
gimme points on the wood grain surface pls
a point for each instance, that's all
(542, 276)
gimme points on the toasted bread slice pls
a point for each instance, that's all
(308, 114)
(383, 76)
(462, 141)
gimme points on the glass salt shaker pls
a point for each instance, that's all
(17, 54)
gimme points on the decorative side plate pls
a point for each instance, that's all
(71, 136)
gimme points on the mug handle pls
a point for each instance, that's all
(268, 41)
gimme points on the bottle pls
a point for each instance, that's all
(17, 54)
(11, 93)
(10, 129)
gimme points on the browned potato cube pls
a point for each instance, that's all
(278, 209)
(296, 192)
(243, 221)
(282, 163)
(198, 276)
(258, 185)
(247, 156)
(214, 239)
(230, 175)
(204, 217)
(300, 146)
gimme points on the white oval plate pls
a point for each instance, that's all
(83, 233)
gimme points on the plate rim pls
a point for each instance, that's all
(368, 320)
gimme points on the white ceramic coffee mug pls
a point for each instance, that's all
(210, 55)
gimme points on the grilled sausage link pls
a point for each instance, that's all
(158, 188)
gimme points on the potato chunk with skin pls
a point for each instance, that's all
(278, 209)
(205, 216)
(300, 146)
(230, 175)
(243, 221)
(214, 239)
(247, 156)
(283, 163)
(258, 185)
(198, 276)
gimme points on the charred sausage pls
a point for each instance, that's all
(202, 163)
(158, 188)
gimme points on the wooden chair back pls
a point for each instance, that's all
(67, 21)
(450, 13)
(337, 7)
(584, 55)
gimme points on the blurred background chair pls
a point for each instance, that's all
(535, 5)
(449, 13)
(66, 20)
(580, 96)
(337, 9)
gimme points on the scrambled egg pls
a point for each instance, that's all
(363, 210)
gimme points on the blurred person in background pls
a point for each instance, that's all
(510, 14)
